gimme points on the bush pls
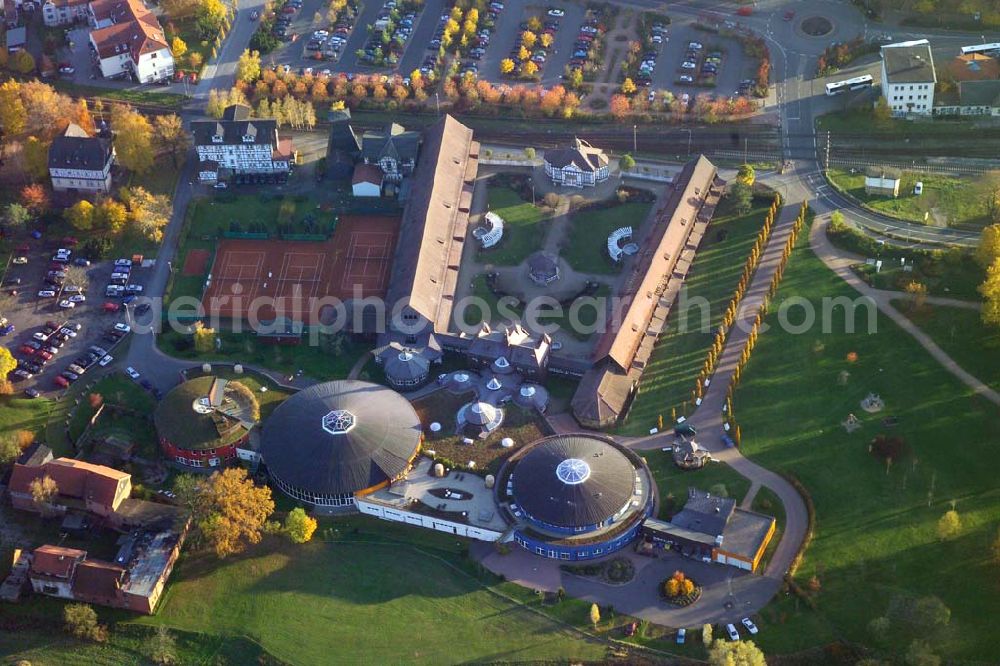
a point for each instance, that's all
(81, 622)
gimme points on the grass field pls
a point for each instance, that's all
(944, 198)
(673, 482)
(587, 249)
(365, 598)
(876, 534)
(523, 231)
(116, 389)
(680, 351)
(25, 414)
(962, 335)
(141, 96)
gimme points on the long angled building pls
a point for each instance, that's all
(606, 390)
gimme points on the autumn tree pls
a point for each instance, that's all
(619, 106)
(628, 86)
(248, 66)
(595, 615)
(13, 115)
(545, 39)
(22, 62)
(111, 215)
(299, 526)
(988, 248)
(36, 157)
(35, 199)
(80, 215)
(228, 510)
(746, 174)
(529, 68)
(735, 653)
(706, 635)
(949, 525)
(990, 290)
(133, 139)
(882, 113)
(81, 622)
(163, 647)
(506, 66)
(917, 291)
(178, 47)
(528, 38)
(626, 162)
(204, 338)
(10, 449)
(43, 490)
(50, 110)
(170, 136)
(7, 362)
(148, 213)
(16, 216)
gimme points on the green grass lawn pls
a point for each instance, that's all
(680, 351)
(876, 526)
(187, 31)
(365, 598)
(962, 335)
(25, 414)
(862, 121)
(523, 230)
(145, 96)
(315, 361)
(116, 389)
(587, 250)
(673, 482)
(944, 197)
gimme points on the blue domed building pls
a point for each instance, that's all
(576, 496)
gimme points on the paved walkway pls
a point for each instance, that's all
(840, 262)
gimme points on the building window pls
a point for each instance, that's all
(563, 556)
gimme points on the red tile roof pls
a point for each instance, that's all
(95, 579)
(75, 478)
(56, 561)
(134, 26)
(367, 173)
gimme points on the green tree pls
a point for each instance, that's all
(163, 647)
(36, 158)
(735, 653)
(949, 525)
(920, 653)
(248, 66)
(595, 615)
(988, 248)
(882, 113)
(746, 174)
(626, 162)
(299, 526)
(81, 621)
(81, 215)
(990, 289)
(10, 449)
(16, 216)
(741, 196)
(529, 153)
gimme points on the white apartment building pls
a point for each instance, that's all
(908, 78)
(242, 145)
(129, 41)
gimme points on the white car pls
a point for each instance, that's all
(77, 298)
(123, 262)
(41, 337)
(20, 261)
(72, 289)
(687, 64)
(733, 634)
(134, 288)
(46, 293)
(308, 71)
(558, 13)
(918, 189)
(134, 374)
(696, 46)
(67, 304)
(751, 627)
(686, 78)
(122, 328)
(68, 332)
(104, 361)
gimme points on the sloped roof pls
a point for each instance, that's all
(377, 446)
(580, 154)
(979, 93)
(75, 149)
(433, 227)
(75, 478)
(394, 141)
(56, 561)
(178, 422)
(673, 226)
(98, 580)
(367, 173)
(598, 482)
(263, 130)
(134, 27)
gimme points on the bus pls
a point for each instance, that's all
(986, 49)
(857, 83)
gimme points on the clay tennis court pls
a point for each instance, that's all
(196, 262)
(274, 277)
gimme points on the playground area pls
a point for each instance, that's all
(269, 279)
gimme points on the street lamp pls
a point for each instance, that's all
(689, 139)
(635, 145)
(532, 183)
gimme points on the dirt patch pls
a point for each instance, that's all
(196, 262)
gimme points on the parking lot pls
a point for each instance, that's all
(59, 310)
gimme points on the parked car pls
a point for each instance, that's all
(134, 374)
(122, 328)
(61, 381)
(31, 393)
(107, 358)
(733, 634)
(19, 261)
(681, 635)
(751, 627)
(65, 303)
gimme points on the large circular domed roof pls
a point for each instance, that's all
(340, 437)
(573, 480)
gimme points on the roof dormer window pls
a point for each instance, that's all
(248, 138)
(216, 138)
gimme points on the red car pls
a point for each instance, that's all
(44, 354)
(790, 14)
(69, 240)
(25, 349)
(744, 11)
(61, 381)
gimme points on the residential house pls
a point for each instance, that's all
(908, 78)
(129, 41)
(64, 12)
(79, 162)
(52, 569)
(394, 150)
(96, 489)
(579, 165)
(248, 149)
